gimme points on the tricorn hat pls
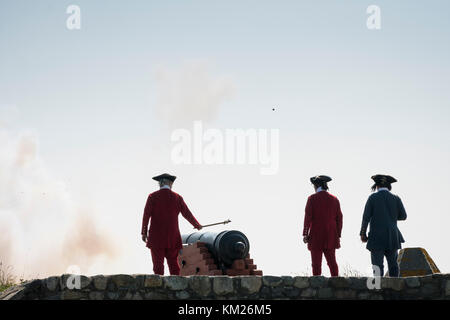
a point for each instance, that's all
(320, 179)
(164, 176)
(383, 179)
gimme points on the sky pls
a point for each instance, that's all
(87, 117)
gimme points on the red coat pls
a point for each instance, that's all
(162, 209)
(323, 221)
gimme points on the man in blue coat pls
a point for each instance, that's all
(383, 210)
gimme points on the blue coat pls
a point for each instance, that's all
(383, 210)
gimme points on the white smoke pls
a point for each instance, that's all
(190, 93)
(42, 229)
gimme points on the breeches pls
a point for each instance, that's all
(391, 257)
(171, 255)
(330, 256)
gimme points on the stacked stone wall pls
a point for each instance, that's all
(139, 287)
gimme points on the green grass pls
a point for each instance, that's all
(7, 279)
(3, 288)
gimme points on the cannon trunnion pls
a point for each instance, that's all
(216, 253)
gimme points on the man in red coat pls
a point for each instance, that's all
(322, 226)
(164, 239)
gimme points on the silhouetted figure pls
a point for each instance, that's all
(163, 238)
(322, 226)
(383, 210)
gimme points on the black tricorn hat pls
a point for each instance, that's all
(164, 176)
(383, 179)
(320, 179)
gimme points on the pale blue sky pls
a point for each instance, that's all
(350, 102)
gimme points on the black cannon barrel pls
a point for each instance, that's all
(226, 246)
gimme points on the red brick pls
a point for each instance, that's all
(209, 261)
(215, 273)
(203, 250)
(199, 267)
(188, 250)
(193, 249)
(195, 258)
(204, 266)
(200, 244)
(199, 261)
(238, 264)
(236, 272)
(195, 252)
(256, 273)
(186, 272)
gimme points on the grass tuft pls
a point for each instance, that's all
(7, 279)
(348, 271)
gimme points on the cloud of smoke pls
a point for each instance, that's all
(42, 229)
(81, 247)
(190, 93)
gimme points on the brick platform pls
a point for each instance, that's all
(195, 259)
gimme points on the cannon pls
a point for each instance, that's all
(225, 246)
(216, 253)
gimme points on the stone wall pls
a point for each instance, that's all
(138, 287)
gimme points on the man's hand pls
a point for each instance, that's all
(144, 238)
(200, 227)
(364, 238)
(305, 239)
